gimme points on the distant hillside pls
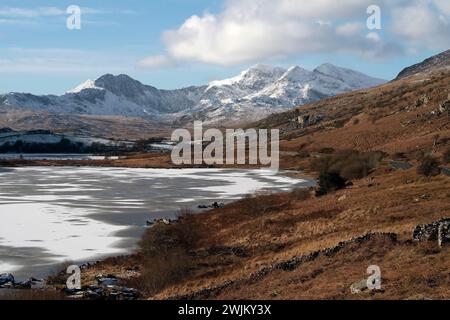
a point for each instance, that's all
(434, 63)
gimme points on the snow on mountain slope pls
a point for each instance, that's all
(257, 92)
(89, 84)
(263, 90)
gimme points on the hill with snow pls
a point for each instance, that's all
(255, 93)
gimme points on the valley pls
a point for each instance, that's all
(378, 159)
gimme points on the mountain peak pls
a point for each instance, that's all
(120, 85)
(88, 84)
(329, 69)
(255, 77)
(296, 73)
(264, 68)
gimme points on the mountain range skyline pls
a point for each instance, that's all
(254, 93)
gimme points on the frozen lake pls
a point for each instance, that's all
(49, 215)
(53, 156)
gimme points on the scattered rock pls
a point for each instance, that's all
(435, 231)
(342, 198)
(215, 205)
(103, 293)
(37, 283)
(107, 281)
(151, 223)
(305, 121)
(6, 278)
(425, 196)
(444, 233)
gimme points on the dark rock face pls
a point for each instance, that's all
(435, 231)
(439, 61)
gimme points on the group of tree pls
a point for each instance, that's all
(63, 146)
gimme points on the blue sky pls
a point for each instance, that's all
(176, 43)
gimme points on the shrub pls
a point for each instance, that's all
(329, 182)
(446, 156)
(300, 194)
(349, 164)
(428, 167)
(260, 203)
(326, 150)
(166, 252)
(399, 156)
(303, 154)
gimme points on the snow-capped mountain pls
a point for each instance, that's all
(263, 90)
(255, 93)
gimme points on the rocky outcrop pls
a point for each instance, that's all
(305, 121)
(6, 278)
(436, 231)
(214, 205)
(103, 293)
(8, 281)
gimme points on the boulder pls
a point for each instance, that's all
(37, 283)
(6, 278)
(359, 287)
(305, 121)
(107, 281)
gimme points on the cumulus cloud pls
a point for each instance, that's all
(253, 30)
(423, 25)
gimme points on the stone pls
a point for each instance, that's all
(107, 281)
(359, 287)
(5, 278)
(444, 233)
(215, 205)
(37, 283)
(433, 231)
(309, 120)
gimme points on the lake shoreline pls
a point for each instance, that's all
(195, 203)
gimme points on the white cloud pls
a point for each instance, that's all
(254, 30)
(21, 12)
(30, 13)
(59, 61)
(421, 25)
(443, 5)
(156, 62)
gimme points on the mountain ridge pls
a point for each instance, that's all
(439, 61)
(254, 93)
